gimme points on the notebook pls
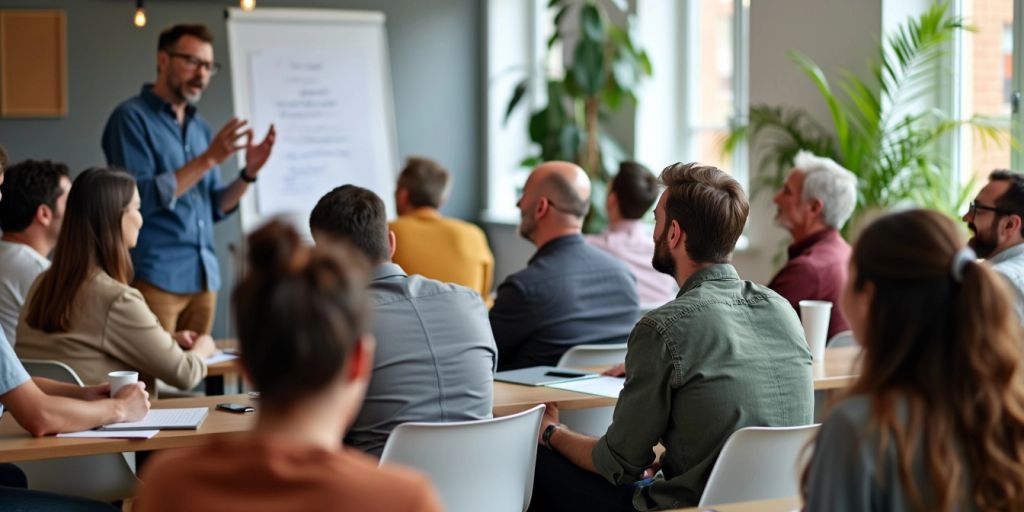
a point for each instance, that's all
(161, 419)
(600, 386)
(541, 375)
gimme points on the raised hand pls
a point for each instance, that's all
(257, 155)
(227, 140)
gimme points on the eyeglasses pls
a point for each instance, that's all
(193, 63)
(974, 207)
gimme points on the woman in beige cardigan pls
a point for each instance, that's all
(82, 310)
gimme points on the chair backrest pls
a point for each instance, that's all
(495, 463)
(51, 369)
(759, 463)
(841, 339)
(585, 356)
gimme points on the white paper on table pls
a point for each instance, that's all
(219, 357)
(124, 434)
(600, 386)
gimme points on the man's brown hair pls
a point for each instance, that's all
(425, 180)
(170, 36)
(709, 206)
(636, 188)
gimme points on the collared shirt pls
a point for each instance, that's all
(816, 270)
(725, 354)
(449, 250)
(175, 251)
(434, 358)
(569, 294)
(1010, 263)
(21, 265)
(631, 242)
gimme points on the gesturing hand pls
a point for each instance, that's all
(257, 155)
(226, 141)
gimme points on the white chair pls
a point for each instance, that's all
(495, 463)
(106, 477)
(759, 463)
(592, 421)
(586, 356)
(841, 339)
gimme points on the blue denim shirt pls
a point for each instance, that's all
(175, 250)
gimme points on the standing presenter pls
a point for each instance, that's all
(160, 139)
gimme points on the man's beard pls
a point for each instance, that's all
(662, 260)
(983, 244)
(526, 227)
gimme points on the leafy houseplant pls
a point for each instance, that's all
(877, 133)
(604, 72)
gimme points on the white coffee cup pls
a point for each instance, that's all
(119, 380)
(815, 316)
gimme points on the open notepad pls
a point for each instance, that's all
(161, 419)
(600, 386)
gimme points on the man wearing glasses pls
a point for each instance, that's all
(995, 220)
(570, 293)
(160, 138)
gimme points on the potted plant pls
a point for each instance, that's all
(877, 130)
(604, 71)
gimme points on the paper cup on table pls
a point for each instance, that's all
(119, 380)
(815, 315)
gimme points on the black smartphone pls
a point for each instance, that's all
(238, 408)
(564, 375)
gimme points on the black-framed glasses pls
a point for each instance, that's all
(195, 63)
(974, 207)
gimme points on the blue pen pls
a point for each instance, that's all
(643, 483)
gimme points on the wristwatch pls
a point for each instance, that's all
(547, 434)
(245, 177)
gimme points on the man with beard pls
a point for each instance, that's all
(160, 139)
(995, 220)
(814, 202)
(724, 355)
(570, 293)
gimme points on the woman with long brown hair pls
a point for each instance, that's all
(936, 419)
(83, 312)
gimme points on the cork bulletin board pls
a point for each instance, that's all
(33, 63)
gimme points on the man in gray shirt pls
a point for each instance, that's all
(435, 355)
(996, 221)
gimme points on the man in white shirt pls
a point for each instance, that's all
(632, 193)
(996, 221)
(31, 214)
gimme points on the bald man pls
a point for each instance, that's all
(570, 293)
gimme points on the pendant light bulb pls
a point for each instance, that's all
(248, 5)
(140, 15)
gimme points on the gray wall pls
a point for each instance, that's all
(435, 68)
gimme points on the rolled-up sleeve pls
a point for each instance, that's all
(125, 146)
(217, 191)
(134, 335)
(642, 412)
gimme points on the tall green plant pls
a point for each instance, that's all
(606, 68)
(876, 130)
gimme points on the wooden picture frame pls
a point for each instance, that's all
(33, 63)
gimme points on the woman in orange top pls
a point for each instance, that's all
(302, 316)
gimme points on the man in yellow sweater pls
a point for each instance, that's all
(433, 246)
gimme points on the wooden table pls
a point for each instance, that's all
(16, 444)
(773, 505)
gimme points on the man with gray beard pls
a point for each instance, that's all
(166, 145)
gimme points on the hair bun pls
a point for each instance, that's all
(276, 249)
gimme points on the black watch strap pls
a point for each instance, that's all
(245, 177)
(548, 432)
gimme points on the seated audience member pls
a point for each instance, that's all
(435, 354)
(724, 355)
(43, 406)
(30, 217)
(632, 193)
(303, 316)
(936, 419)
(449, 250)
(996, 221)
(570, 293)
(815, 201)
(83, 312)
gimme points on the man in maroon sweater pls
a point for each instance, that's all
(815, 201)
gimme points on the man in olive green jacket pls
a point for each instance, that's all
(724, 355)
